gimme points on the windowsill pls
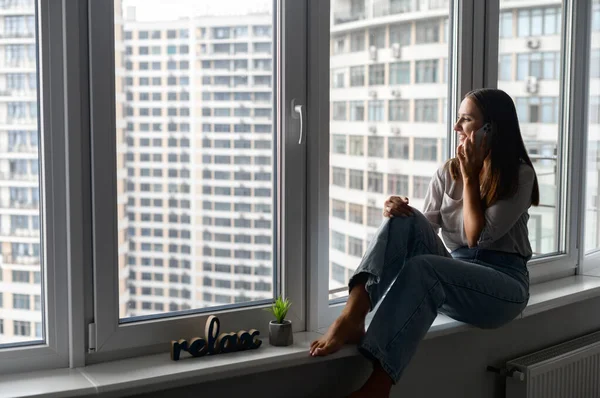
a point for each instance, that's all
(144, 374)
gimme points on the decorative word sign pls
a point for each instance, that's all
(216, 343)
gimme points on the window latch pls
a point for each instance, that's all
(297, 113)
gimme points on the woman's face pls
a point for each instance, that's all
(469, 119)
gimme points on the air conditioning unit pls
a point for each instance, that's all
(396, 130)
(396, 93)
(396, 50)
(373, 129)
(372, 202)
(533, 43)
(373, 166)
(373, 94)
(373, 53)
(532, 86)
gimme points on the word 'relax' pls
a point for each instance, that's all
(216, 343)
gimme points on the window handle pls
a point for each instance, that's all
(297, 109)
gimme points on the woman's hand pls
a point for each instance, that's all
(397, 206)
(470, 157)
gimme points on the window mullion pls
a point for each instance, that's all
(318, 165)
(78, 178)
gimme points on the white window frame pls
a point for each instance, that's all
(112, 340)
(56, 192)
(474, 64)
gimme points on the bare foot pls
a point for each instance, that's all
(345, 330)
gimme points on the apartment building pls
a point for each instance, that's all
(199, 139)
(20, 270)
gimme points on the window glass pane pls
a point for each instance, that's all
(212, 141)
(592, 195)
(535, 89)
(388, 131)
(21, 238)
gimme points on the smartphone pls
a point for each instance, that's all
(486, 129)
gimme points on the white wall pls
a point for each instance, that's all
(452, 366)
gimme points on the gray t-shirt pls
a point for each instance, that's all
(505, 226)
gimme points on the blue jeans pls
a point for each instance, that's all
(484, 288)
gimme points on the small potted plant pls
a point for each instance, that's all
(280, 330)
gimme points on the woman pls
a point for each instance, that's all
(480, 200)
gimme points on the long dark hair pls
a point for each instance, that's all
(501, 174)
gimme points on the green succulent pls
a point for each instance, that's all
(279, 309)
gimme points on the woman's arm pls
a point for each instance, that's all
(471, 161)
(473, 217)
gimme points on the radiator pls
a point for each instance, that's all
(567, 370)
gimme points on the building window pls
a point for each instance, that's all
(338, 143)
(356, 179)
(20, 276)
(398, 110)
(426, 71)
(428, 32)
(21, 302)
(355, 247)
(400, 34)
(339, 44)
(541, 65)
(375, 147)
(374, 216)
(537, 109)
(375, 182)
(357, 111)
(400, 73)
(505, 67)
(397, 184)
(425, 149)
(338, 209)
(377, 37)
(338, 79)
(357, 76)
(398, 147)
(376, 111)
(338, 241)
(21, 328)
(338, 176)
(338, 273)
(357, 145)
(506, 24)
(357, 42)
(376, 75)
(426, 110)
(339, 111)
(539, 22)
(355, 213)
(420, 185)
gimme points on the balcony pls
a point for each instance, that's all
(19, 63)
(25, 232)
(18, 176)
(341, 17)
(21, 259)
(391, 7)
(18, 92)
(21, 205)
(17, 35)
(23, 148)
(26, 6)
(20, 120)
